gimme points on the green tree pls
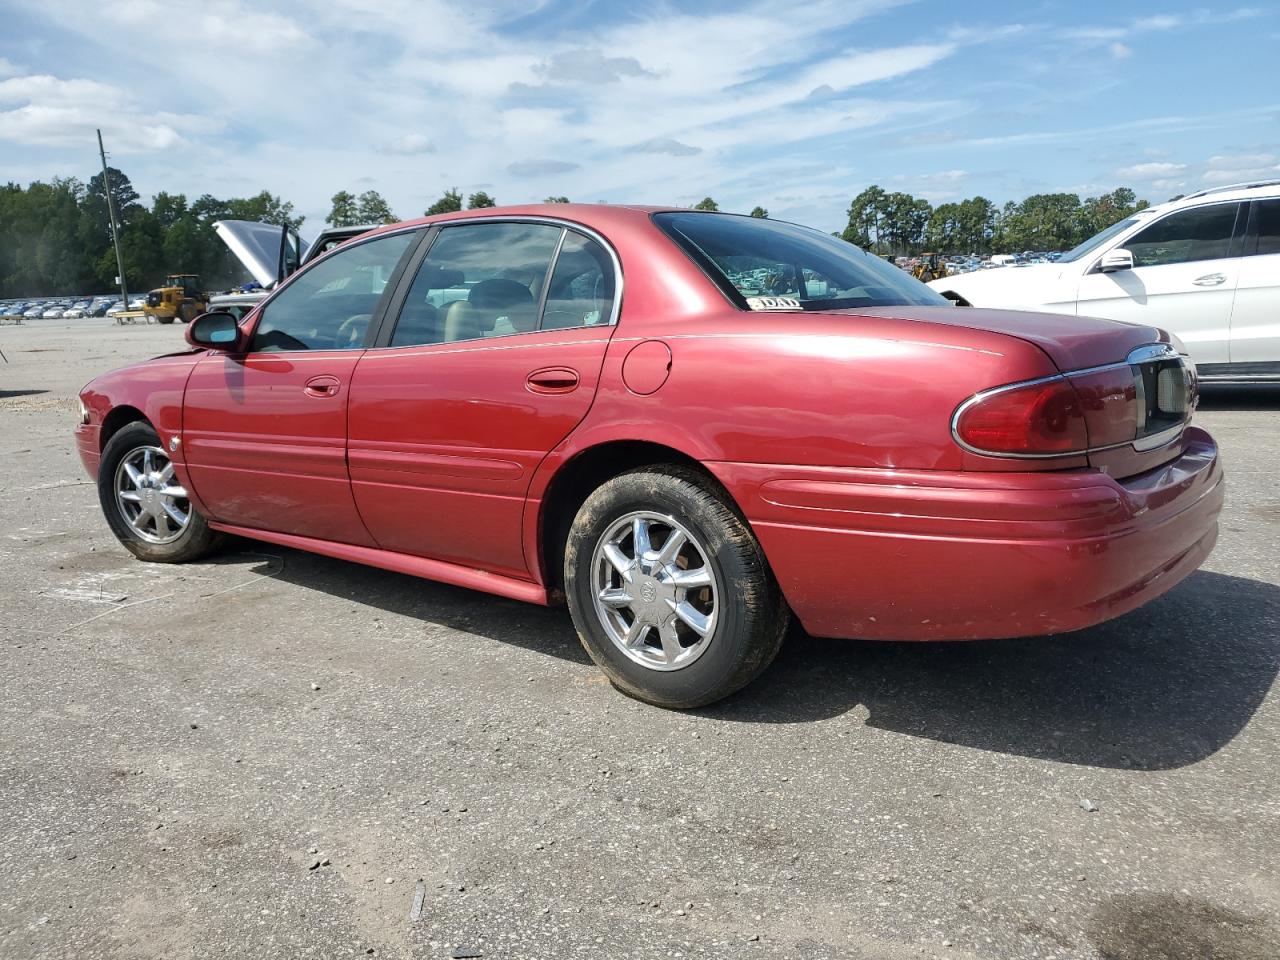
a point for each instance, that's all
(480, 199)
(264, 207)
(556, 200)
(706, 203)
(372, 208)
(760, 212)
(343, 211)
(450, 202)
(866, 214)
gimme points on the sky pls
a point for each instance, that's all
(795, 107)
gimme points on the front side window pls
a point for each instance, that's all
(1097, 240)
(749, 257)
(1267, 217)
(1201, 233)
(478, 280)
(329, 306)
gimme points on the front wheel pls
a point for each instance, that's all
(669, 590)
(145, 504)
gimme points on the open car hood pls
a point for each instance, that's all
(256, 245)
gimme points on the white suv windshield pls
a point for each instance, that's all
(1097, 240)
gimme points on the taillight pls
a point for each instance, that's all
(1145, 401)
(1045, 418)
(1110, 400)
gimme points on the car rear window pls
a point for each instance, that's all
(768, 265)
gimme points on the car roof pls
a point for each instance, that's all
(596, 215)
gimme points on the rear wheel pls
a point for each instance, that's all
(669, 590)
(145, 504)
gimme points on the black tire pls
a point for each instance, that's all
(750, 613)
(196, 539)
(164, 319)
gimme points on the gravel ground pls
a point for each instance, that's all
(276, 755)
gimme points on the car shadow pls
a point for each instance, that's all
(1156, 689)
(1159, 688)
(9, 394)
(1231, 396)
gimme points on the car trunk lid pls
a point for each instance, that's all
(1072, 343)
(1127, 376)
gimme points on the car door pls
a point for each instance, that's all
(1183, 279)
(492, 360)
(1255, 317)
(265, 431)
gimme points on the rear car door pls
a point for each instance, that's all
(1185, 268)
(493, 358)
(1255, 317)
(265, 431)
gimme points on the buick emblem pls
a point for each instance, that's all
(648, 592)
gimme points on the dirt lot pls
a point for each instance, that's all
(183, 745)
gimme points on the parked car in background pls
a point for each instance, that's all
(1205, 267)
(473, 398)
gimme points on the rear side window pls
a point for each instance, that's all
(482, 280)
(1266, 215)
(765, 264)
(329, 306)
(581, 290)
(1201, 233)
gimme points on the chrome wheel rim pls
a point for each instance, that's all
(655, 591)
(150, 499)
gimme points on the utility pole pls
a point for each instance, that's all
(115, 226)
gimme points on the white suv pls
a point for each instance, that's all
(1205, 267)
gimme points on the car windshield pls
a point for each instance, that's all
(764, 264)
(1097, 240)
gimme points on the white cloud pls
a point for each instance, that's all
(9, 69)
(1237, 168)
(1150, 171)
(1162, 23)
(1120, 51)
(409, 144)
(667, 145)
(48, 111)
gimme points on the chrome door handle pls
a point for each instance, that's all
(1210, 280)
(553, 380)
(322, 386)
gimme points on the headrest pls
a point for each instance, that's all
(500, 293)
(439, 278)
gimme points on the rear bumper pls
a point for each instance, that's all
(882, 554)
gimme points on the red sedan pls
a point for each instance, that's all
(688, 425)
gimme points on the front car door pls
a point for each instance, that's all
(1255, 318)
(493, 359)
(265, 431)
(1185, 267)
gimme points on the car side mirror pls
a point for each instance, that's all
(214, 331)
(1118, 259)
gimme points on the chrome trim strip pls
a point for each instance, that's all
(1158, 440)
(1150, 352)
(1143, 354)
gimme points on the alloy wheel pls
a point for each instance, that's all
(152, 502)
(655, 590)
